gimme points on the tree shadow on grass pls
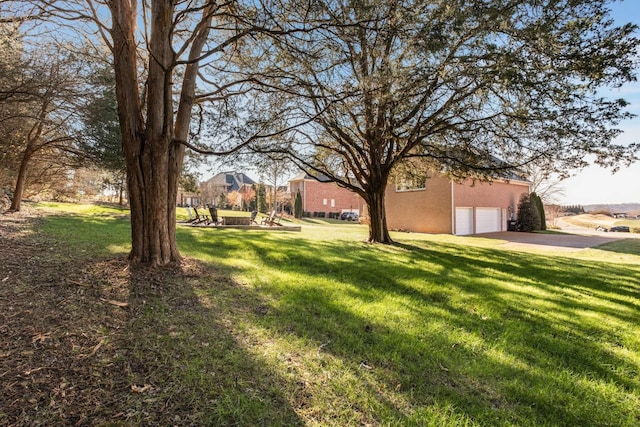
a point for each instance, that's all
(89, 341)
(185, 341)
(427, 333)
(451, 334)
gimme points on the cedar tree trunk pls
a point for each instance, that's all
(146, 143)
(150, 137)
(16, 202)
(374, 196)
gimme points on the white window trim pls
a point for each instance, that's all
(404, 190)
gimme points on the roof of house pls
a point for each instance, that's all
(232, 180)
(305, 176)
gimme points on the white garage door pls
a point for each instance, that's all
(487, 220)
(464, 221)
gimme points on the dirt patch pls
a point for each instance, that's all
(58, 325)
(65, 353)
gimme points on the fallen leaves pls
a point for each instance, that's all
(114, 302)
(33, 371)
(141, 389)
(96, 347)
(40, 337)
(58, 356)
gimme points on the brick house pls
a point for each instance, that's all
(321, 197)
(184, 198)
(225, 183)
(439, 205)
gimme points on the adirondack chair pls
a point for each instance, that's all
(276, 220)
(214, 215)
(267, 219)
(200, 218)
(191, 217)
(273, 219)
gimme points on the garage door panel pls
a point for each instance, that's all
(464, 221)
(488, 220)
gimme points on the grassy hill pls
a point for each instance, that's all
(629, 208)
(591, 221)
(316, 328)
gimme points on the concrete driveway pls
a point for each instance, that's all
(567, 242)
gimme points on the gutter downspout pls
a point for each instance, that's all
(453, 211)
(304, 198)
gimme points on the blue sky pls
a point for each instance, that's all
(595, 185)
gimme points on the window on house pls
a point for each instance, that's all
(324, 202)
(333, 203)
(411, 183)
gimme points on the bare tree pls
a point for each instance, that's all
(474, 88)
(546, 185)
(38, 115)
(274, 170)
(553, 212)
(165, 57)
(13, 100)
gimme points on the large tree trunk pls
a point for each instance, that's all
(378, 231)
(16, 202)
(374, 197)
(146, 148)
(152, 147)
(152, 209)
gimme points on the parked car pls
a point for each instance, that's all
(620, 228)
(349, 216)
(601, 228)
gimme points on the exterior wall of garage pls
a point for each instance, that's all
(497, 194)
(421, 211)
(432, 209)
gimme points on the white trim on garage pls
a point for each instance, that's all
(504, 220)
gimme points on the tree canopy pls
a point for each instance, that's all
(167, 56)
(352, 89)
(39, 92)
(474, 88)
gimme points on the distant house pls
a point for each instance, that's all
(323, 198)
(439, 205)
(185, 198)
(225, 183)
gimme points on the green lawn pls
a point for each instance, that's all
(319, 328)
